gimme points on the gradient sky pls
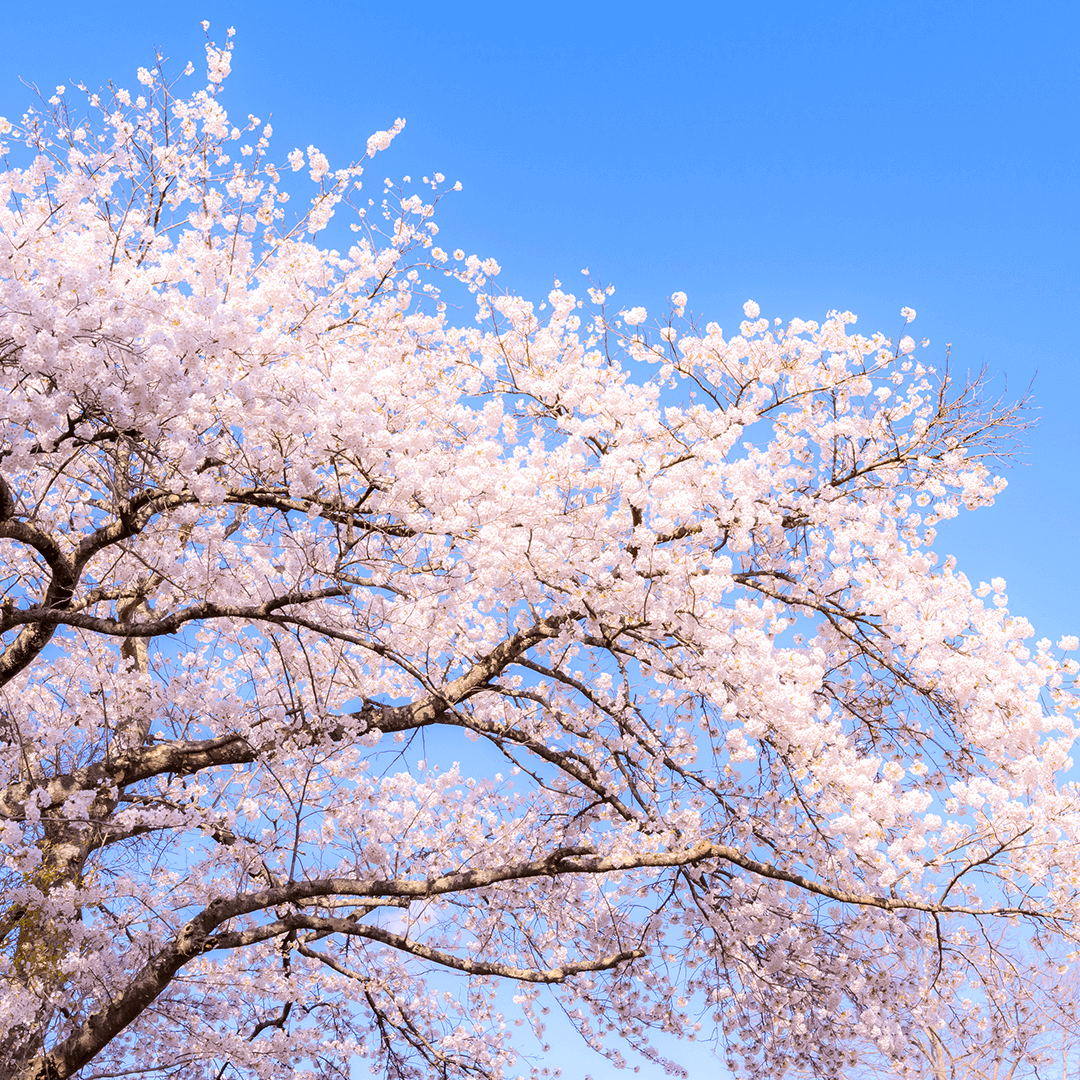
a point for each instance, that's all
(863, 155)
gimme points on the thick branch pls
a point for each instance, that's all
(168, 624)
(99, 1029)
(61, 587)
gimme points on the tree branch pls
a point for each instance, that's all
(449, 960)
(169, 624)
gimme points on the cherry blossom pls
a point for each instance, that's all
(369, 671)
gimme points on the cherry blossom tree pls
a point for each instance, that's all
(369, 675)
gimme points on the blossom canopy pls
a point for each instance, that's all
(367, 673)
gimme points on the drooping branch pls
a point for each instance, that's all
(458, 963)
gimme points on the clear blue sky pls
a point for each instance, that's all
(860, 155)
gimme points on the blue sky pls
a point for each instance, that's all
(862, 155)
